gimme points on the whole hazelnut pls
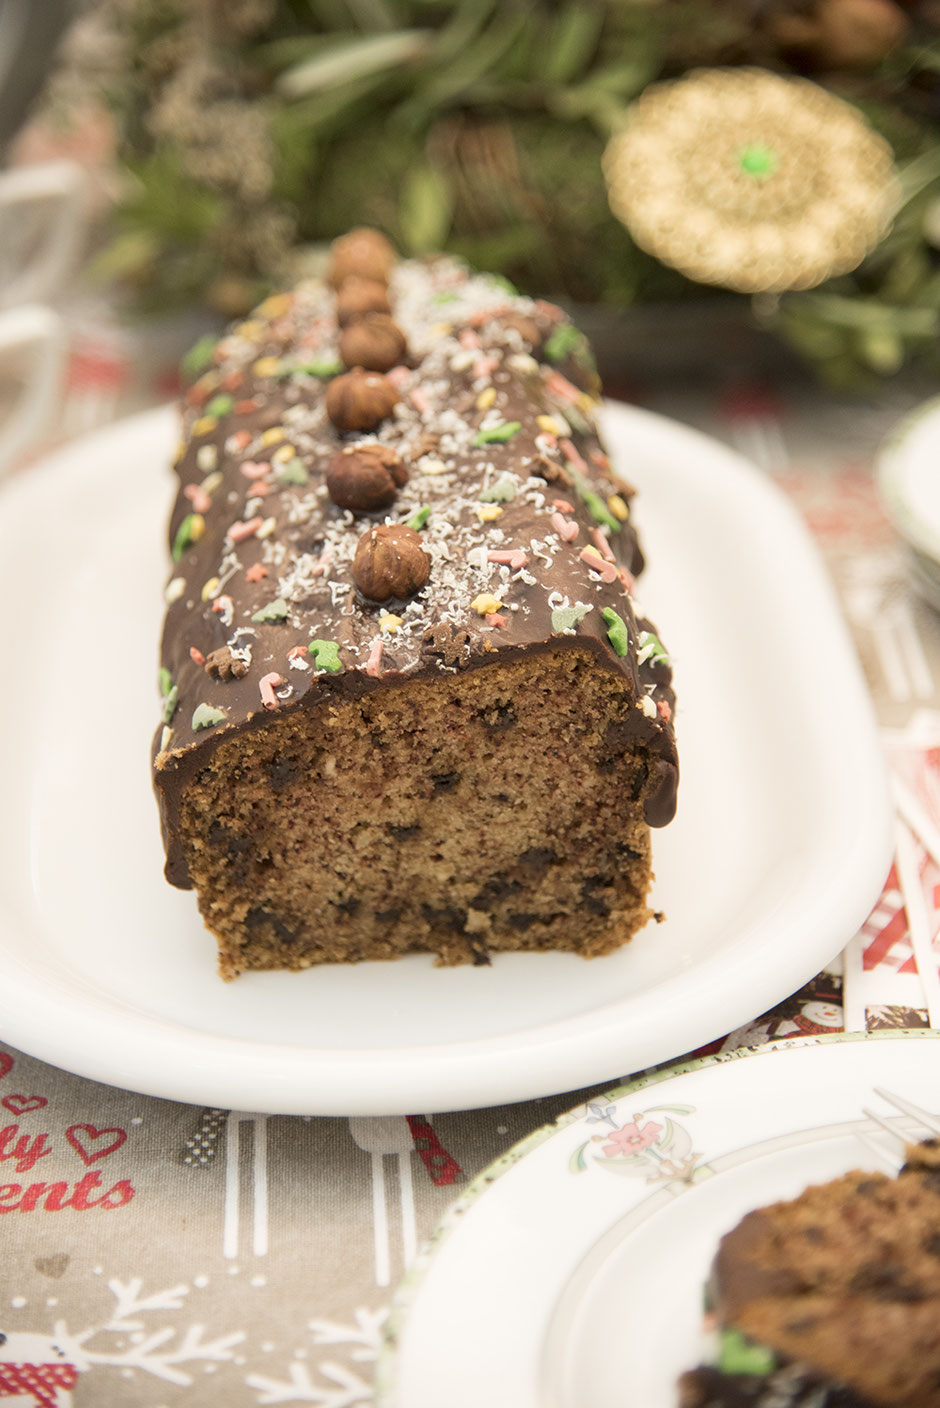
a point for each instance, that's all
(364, 252)
(374, 342)
(365, 477)
(360, 296)
(390, 561)
(358, 400)
(527, 328)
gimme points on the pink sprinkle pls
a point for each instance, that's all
(607, 570)
(560, 386)
(251, 469)
(600, 459)
(515, 558)
(665, 712)
(603, 544)
(483, 366)
(223, 603)
(262, 488)
(398, 376)
(375, 655)
(239, 531)
(255, 572)
(627, 578)
(296, 650)
(197, 655)
(572, 456)
(562, 506)
(239, 440)
(486, 315)
(493, 618)
(198, 497)
(469, 339)
(545, 441)
(267, 686)
(322, 565)
(548, 310)
(564, 527)
(419, 400)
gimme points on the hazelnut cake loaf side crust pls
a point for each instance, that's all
(410, 701)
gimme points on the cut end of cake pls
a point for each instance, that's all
(499, 809)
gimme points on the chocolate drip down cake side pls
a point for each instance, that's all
(410, 701)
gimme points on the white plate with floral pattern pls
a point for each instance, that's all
(779, 849)
(570, 1274)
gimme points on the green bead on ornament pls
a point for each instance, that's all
(758, 160)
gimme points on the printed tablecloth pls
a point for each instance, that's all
(155, 1254)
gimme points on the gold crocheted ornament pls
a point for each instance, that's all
(742, 178)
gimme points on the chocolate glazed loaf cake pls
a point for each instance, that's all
(410, 701)
(831, 1300)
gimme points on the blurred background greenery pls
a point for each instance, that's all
(251, 132)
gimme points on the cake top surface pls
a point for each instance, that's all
(505, 528)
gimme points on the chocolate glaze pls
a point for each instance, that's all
(252, 464)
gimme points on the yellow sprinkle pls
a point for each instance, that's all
(592, 552)
(210, 588)
(388, 622)
(252, 331)
(547, 424)
(211, 482)
(275, 306)
(180, 452)
(204, 425)
(274, 436)
(587, 404)
(285, 453)
(440, 329)
(488, 513)
(267, 528)
(618, 507)
(486, 604)
(267, 366)
(486, 398)
(197, 526)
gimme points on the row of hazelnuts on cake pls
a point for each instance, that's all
(389, 561)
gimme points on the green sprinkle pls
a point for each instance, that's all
(274, 611)
(220, 405)
(199, 356)
(326, 655)
(599, 511)
(165, 681)
(418, 520)
(325, 367)
(507, 285)
(170, 702)
(446, 295)
(184, 536)
(204, 716)
(651, 648)
(565, 618)
(498, 435)
(502, 492)
(617, 632)
(740, 1355)
(292, 472)
(564, 341)
(758, 160)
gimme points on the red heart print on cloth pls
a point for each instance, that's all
(6, 1064)
(84, 1137)
(20, 1104)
